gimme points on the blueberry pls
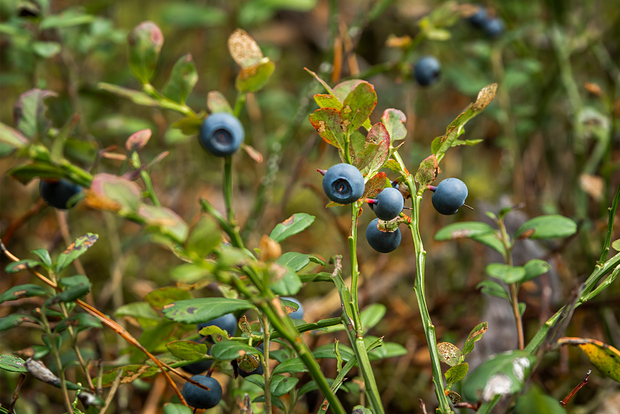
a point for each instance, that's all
(427, 70)
(449, 196)
(382, 241)
(221, 134)
(299, 313)
(494, 27)
(479, 19)
(59, 193)
(198, 367)
(243, 372)
(201, 398)
(389, 204)
(343, 183)
(227, 322)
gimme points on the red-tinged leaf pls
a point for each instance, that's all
(605, 357)
(358, 105)
(165, 221)
(378, 136)
(145, 42)
(11, 137)
(216, 102)
(343, 89)
(375, 185)
(253, 153)
(254, 78)
(394, 121)
(325, 100)
(427, 172)
(138, 140)
(110, 192)
(328, 123)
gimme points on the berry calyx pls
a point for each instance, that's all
(449, 196)
(389, 203)
(221, 134)
(382, 241)
(343, 183)
(200, 398)
(61, 194)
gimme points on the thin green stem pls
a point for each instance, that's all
(354, 266)
(265, 362)
(228, 191)
(56, 355)
(166, 103)
(419, 290)
(239, 103)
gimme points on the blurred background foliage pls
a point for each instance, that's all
(551, 143)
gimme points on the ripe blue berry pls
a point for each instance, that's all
(343, 183)
(389, 204)
(198, 367)
(449, 196)
(221, 134)
(227, 322)
(201, 398)
(299, 313)
(59, 193)
(493, 27)
(382, 241)
(427, 70)
(479, 19)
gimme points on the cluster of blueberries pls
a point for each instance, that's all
(427, 69)
(344, 184)
(198, 397)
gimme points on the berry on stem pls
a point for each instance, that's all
(221, 134)
(198, 367)
(343, 183)
(59, 193)
(382, 241)
(200, 398)
(449, 196)
(427, 70)
(227, 323)
(389, 204)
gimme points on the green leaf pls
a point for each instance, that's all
(253, 79)
(370, 153)
(328, 123)
(75, 287)
(12, 137)
(135, 96)
(442, 144)
(295, 261)
(312, 385)
(46, 49)
(216, 102)
(170, 408)
(75, 250)
(325, 100)
(229, 350)
(79, 322)
(204, 309)
(456, 373)
(192, 15)
(130, 373)
(292, 366)
(547, 227)
(29, 113)
(358, 409)
(191, 273)
(427, 171)
(145, 42)
(501, 374)
(161, 297)
(449, 354)
(327, 351)
(493, 288)
(534, 401)
(294, 224)
(23, 291)
(275, 402)
(386, 350)
(142, 311)
(283, 280)
(182, 79)
(394, 121)
(535, 268)
(490, 240)
(69, 18)
(507, 274)
(12, 363)
(358, 105)
(372, 315)
(204, 237)
(58, 146)
(474, 336)
(188, 350)
(463, 229)
(24, 173)
(281, 385)
(20, 265)
(44, 255)
(13, 320)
